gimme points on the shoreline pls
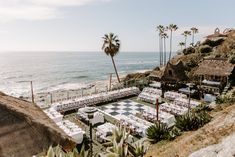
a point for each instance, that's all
(69, 92)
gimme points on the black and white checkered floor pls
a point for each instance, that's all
(126, 108)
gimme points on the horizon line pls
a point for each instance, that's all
(70, 51)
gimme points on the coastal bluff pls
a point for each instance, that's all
(214, 139)
(25, 130)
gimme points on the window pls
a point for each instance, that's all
(170, 73)
(217, 78)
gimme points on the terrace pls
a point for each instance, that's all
(123, 107)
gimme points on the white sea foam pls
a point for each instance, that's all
(69, 86)
(65, 70)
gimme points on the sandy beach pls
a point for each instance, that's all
(71, 91)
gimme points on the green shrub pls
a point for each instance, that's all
(191, 64)
(202, 107)
(184, 122)
(174, 132)
(189, 50)
(225, 100)
(232, 59)
(192, 121)
(156, 68)
(205, 49)
(139, 149)
(158, 132)
(203, 117)
(213, 43)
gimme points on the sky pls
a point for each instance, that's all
(78, 25)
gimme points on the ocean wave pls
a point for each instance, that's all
(75, 71)
(65, 70)
(11, 77)
(68, 86)
(138, 62)
(24, 81)
(79, 77)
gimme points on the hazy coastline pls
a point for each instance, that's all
(65, 70)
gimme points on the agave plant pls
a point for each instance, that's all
(120, 149)
(192, 121)
(118, 143)
(140, 149)
(201, 108)
(184, 122)
(203, 118)
(158, 132)
(58, 152)
(118, 134)
(174, 132)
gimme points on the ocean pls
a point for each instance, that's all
(54, 70)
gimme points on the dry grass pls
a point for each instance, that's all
(228, 45)
(221, 126)
(25, 130)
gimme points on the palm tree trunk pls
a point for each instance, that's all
(164, 51)
(170, 46)
(115, 69)
(160, 57)
(193, 38)
(161, 51)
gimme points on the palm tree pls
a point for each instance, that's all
(171, 27)
(164, 36)
(111, 48)
(181, 44)
(194, 31)
(186, 34)
(160, 29)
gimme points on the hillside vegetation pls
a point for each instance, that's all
(222, 47)
(221, 126)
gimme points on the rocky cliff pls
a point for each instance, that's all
(25, 130)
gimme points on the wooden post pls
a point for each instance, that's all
(51, 98)
(200, 87)
(189, 98)
(157, 109)
(110, 82)
(31, 83)
(227, 81)
(67, 94)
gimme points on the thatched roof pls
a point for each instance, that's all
(214, 67)
(178, 71)
(25, 130)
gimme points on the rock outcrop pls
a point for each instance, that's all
(25, 130)
(224, 148)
